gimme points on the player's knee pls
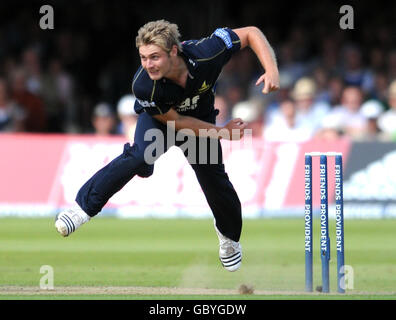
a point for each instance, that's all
(133, 154)
(136, 156)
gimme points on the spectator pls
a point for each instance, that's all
(380, 89)
(57, 91)
(128, 117)
(320, 76)
(387, 121)
(330, 130)
(309, 111)
(354, 73)
(35, 120)
(335, 89)
(11, 115)
(391, 59)
(347, 115)
(288, 64)
(234, 93)
(285, 126)
(329, 55)
(32, 66)
(371, 110)
(377, 59)
(103, 120)
(250, 111)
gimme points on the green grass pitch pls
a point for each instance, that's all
(183, 253)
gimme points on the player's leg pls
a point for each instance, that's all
(95, 193)
(223, 201)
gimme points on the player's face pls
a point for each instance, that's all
(155, 61)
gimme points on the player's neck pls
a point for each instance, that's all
(178, 72)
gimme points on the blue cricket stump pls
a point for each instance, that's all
(339, 215)
(324, 225)
(308, 224)
(324, 221)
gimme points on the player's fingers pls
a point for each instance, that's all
(237, 120)
(274, 87)
(266, 87)
(259, 80)
(242, 125)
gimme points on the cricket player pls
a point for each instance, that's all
(175, 89)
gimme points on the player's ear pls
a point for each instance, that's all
(173, 52)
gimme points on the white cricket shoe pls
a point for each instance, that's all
(230, 252)
(69, 220)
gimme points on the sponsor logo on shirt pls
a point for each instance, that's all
(146, 104)
(204, 87)
(191, 62)
(225, 36)
(188, 104)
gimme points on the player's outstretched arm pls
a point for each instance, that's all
(255, 39)
(233, 130)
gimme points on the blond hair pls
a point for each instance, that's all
(161, 33)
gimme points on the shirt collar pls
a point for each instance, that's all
(191, 64)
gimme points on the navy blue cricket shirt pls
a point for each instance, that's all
(205, 59)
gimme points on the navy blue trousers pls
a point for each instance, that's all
(219, 192)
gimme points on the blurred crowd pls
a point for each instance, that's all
(341, 96)
(332, 84)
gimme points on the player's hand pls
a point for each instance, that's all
(235, 128)
(270, 81)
